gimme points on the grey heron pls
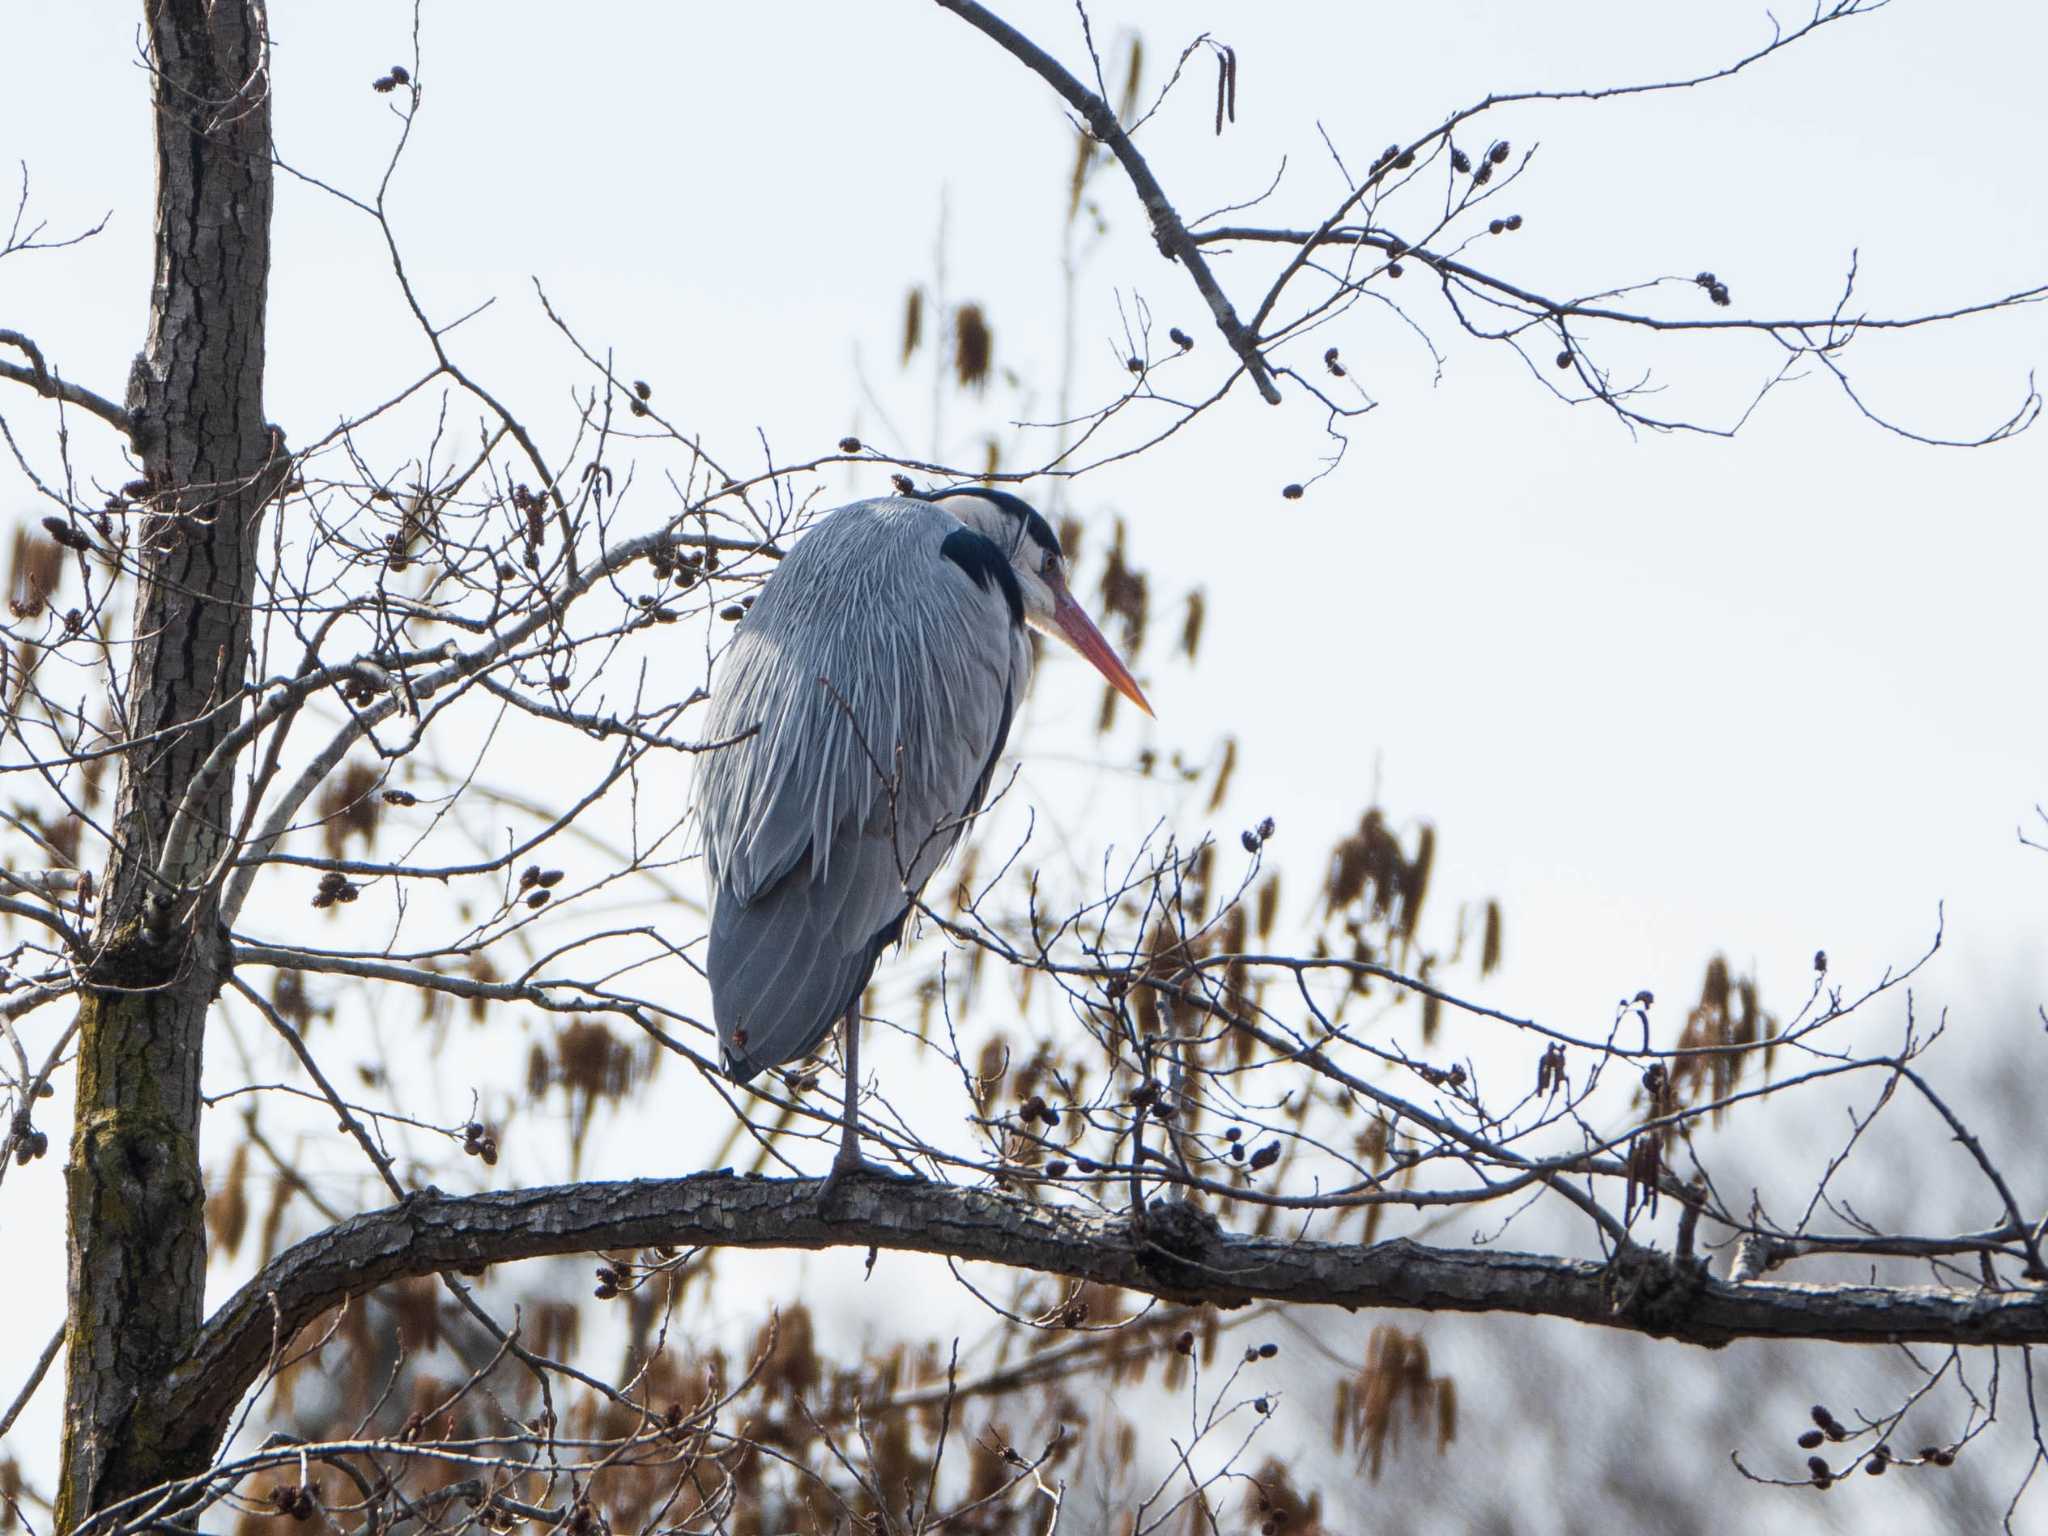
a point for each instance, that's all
(878, 671)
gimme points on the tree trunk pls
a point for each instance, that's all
(136, 1201)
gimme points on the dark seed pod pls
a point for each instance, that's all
(1497, 226)
(1514, 221)
(1181, 339)
(1268, 1351)
(1819, 1469)
(539, 899)
(1394, 269)
(1267, 1155)
(65, 534)
(1564, 359)
(1291, 492)
(1499, 153)
(642, 388)
(1810, 1441)
(1185, 1344)
(903, 485)
(1403, 161)
(400, 797)
(1134, 364)
(1460, 161)
(1056, 1169)
(849, 445)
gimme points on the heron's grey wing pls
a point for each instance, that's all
(848, 796)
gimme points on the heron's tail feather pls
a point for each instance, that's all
(784, 969)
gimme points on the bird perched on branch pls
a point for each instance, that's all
(878, 671)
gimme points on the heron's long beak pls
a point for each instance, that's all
(1079, 631)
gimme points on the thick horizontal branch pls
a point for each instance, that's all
(1182, 1257)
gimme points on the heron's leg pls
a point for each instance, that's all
(848, 1159)
(849, 1127)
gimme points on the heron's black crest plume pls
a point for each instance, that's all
(1033, 526)
(978, 556)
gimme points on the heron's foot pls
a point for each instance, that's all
(849, 1165)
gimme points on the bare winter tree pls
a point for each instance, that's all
(271, 711)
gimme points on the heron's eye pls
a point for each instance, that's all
(1049, 565)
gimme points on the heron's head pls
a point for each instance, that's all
(1014, 526)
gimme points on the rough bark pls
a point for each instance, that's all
(1182, 1256)
(136, 1202)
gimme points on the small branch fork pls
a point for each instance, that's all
(39, 377)
(1167, 229)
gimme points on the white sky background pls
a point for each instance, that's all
(1660, 695)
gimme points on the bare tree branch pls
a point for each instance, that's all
(1172, 235)
(39, 378)
(1642, 1291)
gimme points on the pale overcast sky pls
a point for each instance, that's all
(1661, 695)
